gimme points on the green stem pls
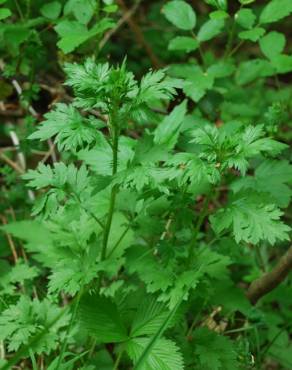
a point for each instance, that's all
(72, 319)
(118, 360)
(201, 219)
(107, 227)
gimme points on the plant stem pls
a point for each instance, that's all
(72, 319)
(118, 360)
(107, 227)
(201, 219)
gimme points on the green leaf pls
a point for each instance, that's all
(168, 130)
(149, 318)
(183, 43)
(5, 13)
(100, 317)
(219, 14)
(165, 355)
(253, 35)
(282, 63)
(246, 2)
(210, 29)
(245, 18)
(250, 70)
(252, 221)
(277, 186)
(273, 44)
(83, 10)
(51, 10)
(214, 351)
(180, 13)
(73, 33)
(276, 10)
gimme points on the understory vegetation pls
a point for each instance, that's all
(145, 184)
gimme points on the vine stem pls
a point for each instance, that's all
(201, 219)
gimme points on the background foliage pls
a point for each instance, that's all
(145, 184)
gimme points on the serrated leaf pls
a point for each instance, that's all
(100, 317)
(251, 221)
(165, 355)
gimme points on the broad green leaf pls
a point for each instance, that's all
(220, 4)
(183, 43)
(272, 44)
(51, 10)
(219, 14)
(5, 13)
(253, 35)
(73, 33)
(246, 2)
(180, 13)
(245, 18)
(276, 10)
(168, 130)
(282, 63)
(83, 10)
(210, 29)
(250, 70)
(100, 317)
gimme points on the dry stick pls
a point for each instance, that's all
(272, 279)
(12, 164)
(140, 37)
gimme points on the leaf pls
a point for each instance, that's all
(180, 13)
(245, 18)
(214, 351)
(262, 181)
(165, 355)
(100, 317)
(251, 221)
(5, 13)
(210, 29)
(83, 10)
(250, 70)
(183, 43)
(70, 129)
(253, 35)
(168, 130)
(275, 10)
(73, 33)
(272, 44)
(51, 10)
(282, 63)
(149, 318)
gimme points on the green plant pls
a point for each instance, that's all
(164, 205)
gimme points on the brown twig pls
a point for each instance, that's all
(10, 241)
(156, 63)
(272, 279)
(129, 13)
(12, 164)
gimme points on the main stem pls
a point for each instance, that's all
(107, 227)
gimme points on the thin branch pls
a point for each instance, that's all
(272, 279)
(124, 19)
